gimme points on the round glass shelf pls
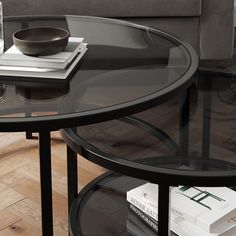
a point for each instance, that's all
(148, 144)
(101, 209)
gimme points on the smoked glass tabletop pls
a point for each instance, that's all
(157, 146)
(125, 66)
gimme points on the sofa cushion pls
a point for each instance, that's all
(109, 8)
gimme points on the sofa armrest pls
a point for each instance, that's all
(216, 29)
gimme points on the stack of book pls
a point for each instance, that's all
(195, 211)
(59, 66)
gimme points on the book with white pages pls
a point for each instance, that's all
(179, 226)
(14, 57)
(205, 211)
(183, 227)
(12, 72)
(145, 198)
(206, 207)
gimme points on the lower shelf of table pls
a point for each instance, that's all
(101, 209)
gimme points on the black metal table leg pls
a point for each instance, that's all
(46, 182)
(28, 135)
(184, 124)
(72, 176)
(206, 126)
(163, 210)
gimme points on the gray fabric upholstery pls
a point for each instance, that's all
(108, 8)
(216, 37)
(212, 33)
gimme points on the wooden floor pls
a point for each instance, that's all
(19, 185)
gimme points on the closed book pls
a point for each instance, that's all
(14, 57)
(145, 198)
(207, 207)
(181, 224)
(183, 227)
(136, 227)
(144, 217)
(13, 72)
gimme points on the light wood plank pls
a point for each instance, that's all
(31, 189)
(30, 211)
(21, 228)
(7, 218)
(19, 184)
(9, 197)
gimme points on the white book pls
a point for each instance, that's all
(207, 207)
(137, 228)
(178, 225)
(145, 198)
(37, 72)
(14, 57)
(182, 227)
(142, 216)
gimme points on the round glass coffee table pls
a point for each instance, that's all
(138, 151)
(128, 68)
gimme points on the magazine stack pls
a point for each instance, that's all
(14, 64)
(195, 211)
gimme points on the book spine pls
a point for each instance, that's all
(179, 225)
(149, 209)
(136, 229)
(144, 217)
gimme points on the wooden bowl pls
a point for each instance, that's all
(41, 41)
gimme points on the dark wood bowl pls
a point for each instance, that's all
(41, 41)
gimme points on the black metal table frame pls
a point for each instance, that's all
(75, 145)
(165, 178)
(44, 125)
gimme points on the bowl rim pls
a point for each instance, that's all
(41, 41)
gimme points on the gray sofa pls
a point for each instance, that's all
(206, 24)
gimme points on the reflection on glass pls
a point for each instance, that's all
(2, 91)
